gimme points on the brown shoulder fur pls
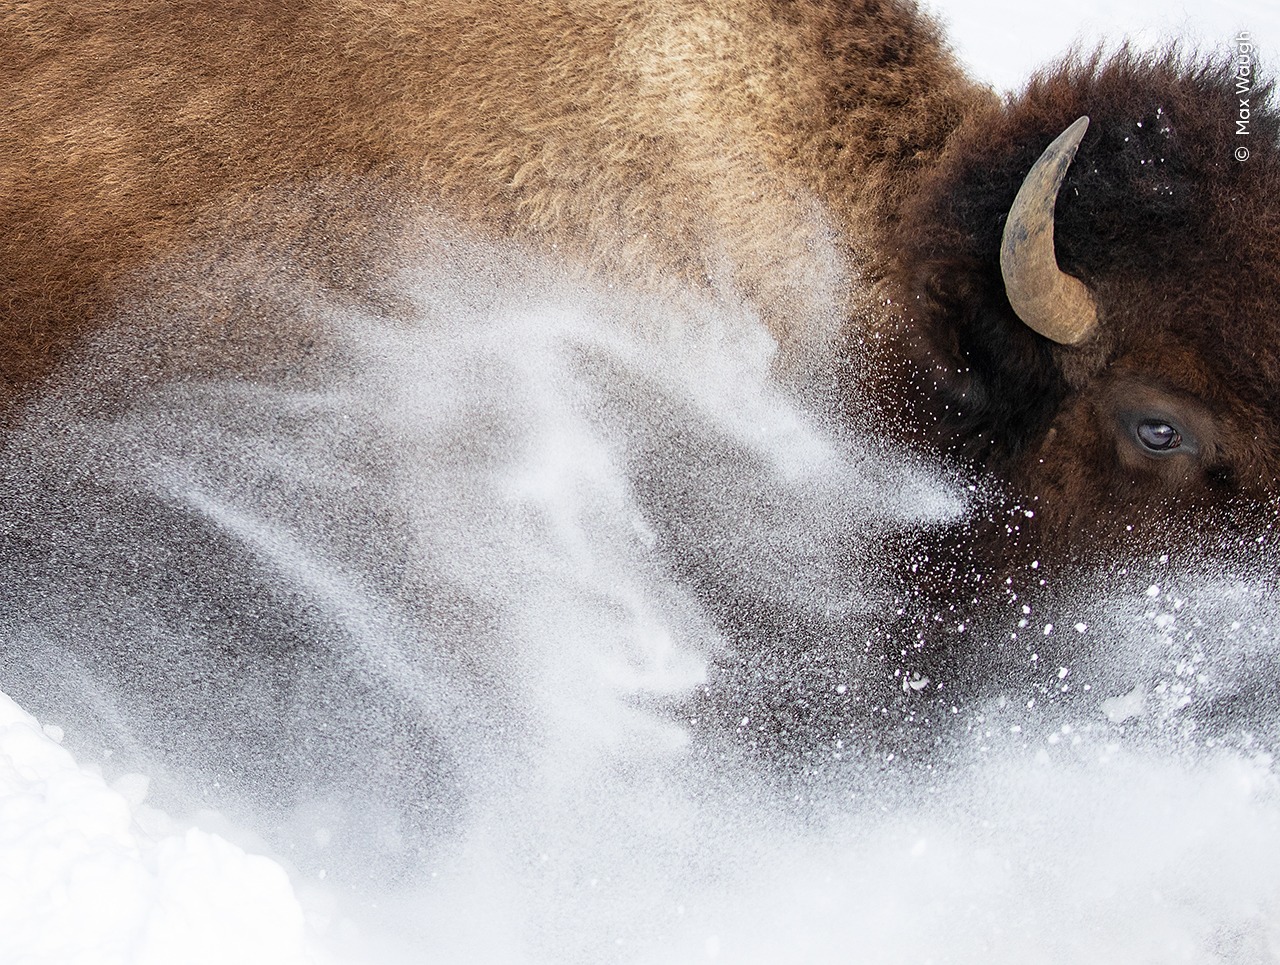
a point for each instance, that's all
(702, 141)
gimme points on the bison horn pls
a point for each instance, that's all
(1047, 299)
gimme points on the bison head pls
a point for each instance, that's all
(1120, 371)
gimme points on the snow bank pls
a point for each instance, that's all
(82, 881)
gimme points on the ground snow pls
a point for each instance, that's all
(82, 881)
(1056, 832)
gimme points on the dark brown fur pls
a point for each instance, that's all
(1180, 244)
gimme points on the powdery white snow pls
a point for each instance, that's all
(591, 831)
(82, 881)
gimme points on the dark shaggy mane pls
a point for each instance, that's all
(1153, 204)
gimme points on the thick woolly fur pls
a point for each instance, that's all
(1179, 242)
(724, 141)
(700, 142)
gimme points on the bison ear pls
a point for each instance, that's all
(1048, 300)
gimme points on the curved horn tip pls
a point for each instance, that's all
(1074, 133)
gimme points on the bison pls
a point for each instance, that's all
(1070, 293)
(1113, 362)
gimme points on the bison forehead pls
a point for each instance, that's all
(1177, 242)
(1210, 329)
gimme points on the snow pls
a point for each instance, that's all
(1002, 41)
(478, 489)
(82, 882)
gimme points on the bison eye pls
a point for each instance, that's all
(1159, 436)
